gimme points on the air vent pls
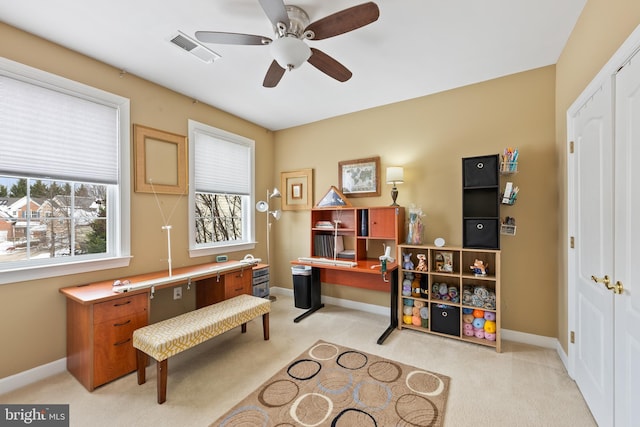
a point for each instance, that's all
(188, 44)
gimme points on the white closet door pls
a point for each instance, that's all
(593, 222)
(627, 244)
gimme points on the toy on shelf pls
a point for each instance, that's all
(407, 264)
(415, 285)
(422, 262)
(479, 267)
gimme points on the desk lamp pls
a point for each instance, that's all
(395, 175)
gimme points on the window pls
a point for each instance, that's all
(64, 176)
(221, 173)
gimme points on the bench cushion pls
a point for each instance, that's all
(169, 337)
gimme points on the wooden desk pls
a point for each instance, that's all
(100, 322)
(365, 275)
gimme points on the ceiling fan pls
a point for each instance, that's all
(291, 27)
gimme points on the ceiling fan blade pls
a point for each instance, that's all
(276, 12)
(274, 75)
(231, 38)
(329, 66)
(344, 21)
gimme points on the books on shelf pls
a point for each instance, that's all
(330, 246)
(325, 224)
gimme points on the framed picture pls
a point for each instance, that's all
(359, 178)
(297, 187)
(444, 262)
(160, 161)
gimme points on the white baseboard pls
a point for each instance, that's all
(522, 337)
(38, 373)
(354, 305)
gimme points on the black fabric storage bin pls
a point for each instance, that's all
(481, 234)
(481, 171)
(445, 319)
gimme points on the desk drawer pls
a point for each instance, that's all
(120, 307)
(113, 342)
(237, 283)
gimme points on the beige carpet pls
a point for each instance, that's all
(334, 385)
(524, 386)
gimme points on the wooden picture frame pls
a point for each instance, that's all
(360, 177)
(297, 189)
(444, 262)
(160, 161)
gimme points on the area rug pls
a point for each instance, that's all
(332, 385)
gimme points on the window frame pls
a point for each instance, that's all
(120, 209)
(213, 248)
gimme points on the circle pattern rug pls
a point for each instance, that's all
(332, 385)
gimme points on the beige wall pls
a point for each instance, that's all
(32, 314)
(429, 136)
(603, 26)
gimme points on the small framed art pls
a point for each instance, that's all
(298, 189)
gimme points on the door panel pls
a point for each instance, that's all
(627, 240)
(593, 192)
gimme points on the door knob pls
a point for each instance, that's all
(617, 288)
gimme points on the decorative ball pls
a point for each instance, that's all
(407, 301)
(489, 336)
(418, 304)
(415, 312)
(417, 321)
(479, 333)
(407, 320)
(467, 311)
(467, 318)
(407, 310)
(468, 327)
(489, 315)
(478, 313)
(424, 312)
(469, 332)
(478, 323)
(490, 326)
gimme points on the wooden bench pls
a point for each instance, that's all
(169, 337)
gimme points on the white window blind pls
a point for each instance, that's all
(54, 134)
(222, 166)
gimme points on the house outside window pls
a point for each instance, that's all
(64, 181)
(221, 173)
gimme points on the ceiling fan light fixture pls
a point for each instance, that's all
(290, 52)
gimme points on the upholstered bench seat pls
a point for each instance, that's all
(169, 337)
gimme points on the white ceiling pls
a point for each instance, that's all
(416, 48)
